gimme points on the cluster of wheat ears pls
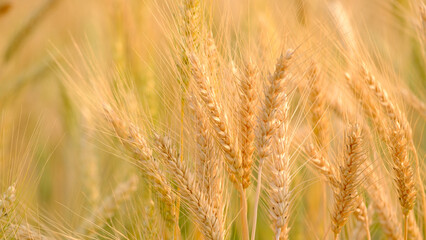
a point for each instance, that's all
(246, 143)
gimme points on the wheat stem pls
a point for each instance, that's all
(243, 207)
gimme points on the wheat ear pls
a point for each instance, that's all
(204, 216)
(402, 169)
(361, 214)
(319, 119)
(391, 110)
(192, 23)
(414, 101)
(386, 215)
(399, 140)
(209, 167)
(212, 54)
(330, 173)
(24, 232)
(359, 230)
(8, 229)
(109, 205)
(279, 177)
(218, 121)
(382, 204)
(247, 120)
(368, 105)
(132, 138)
(7, 200)
(345, 199)
(275, 98)
(191, 28)
(227, 143)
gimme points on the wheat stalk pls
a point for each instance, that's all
(413, 229)
(90, 163)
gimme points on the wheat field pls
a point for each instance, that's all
(196, 119)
